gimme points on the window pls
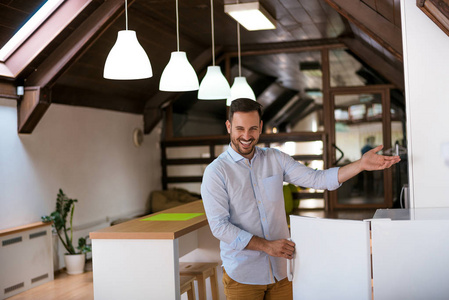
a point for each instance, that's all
(30, 26)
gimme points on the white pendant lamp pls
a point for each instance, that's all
(178, 75)
(127, 60)
(214, 85)
(240, 88)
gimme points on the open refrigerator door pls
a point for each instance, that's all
(332, 259)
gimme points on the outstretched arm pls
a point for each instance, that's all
(370, 161)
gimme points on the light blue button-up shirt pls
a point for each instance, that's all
(243, 198)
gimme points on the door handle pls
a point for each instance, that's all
(290, 266)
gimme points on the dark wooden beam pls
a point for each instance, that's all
(8, 91)
(377, 62)
(350, 90)
(372, 23)
(32, 107)
(286, 47)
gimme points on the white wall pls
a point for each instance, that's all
(426, 60)
(89, 153)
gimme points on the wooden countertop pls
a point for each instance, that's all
(162, 230)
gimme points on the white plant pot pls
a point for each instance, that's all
(74, 263)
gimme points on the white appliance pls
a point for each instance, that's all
(409, 256)
(332, 259)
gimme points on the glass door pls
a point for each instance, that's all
(361, 122)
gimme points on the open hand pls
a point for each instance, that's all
(372, 161)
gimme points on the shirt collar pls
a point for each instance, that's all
(237, 157)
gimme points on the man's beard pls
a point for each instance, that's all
(240, 149)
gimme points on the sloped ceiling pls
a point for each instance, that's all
(275, 76)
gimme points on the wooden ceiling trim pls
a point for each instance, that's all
(375, 61)
(372, 23)
(32, 107)
(437, 11)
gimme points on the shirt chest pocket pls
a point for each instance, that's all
(273, 187)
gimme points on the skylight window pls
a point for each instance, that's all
(30, 26)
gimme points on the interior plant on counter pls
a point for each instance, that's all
(65, 207)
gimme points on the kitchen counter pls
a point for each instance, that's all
(139, 259)
(140, 229)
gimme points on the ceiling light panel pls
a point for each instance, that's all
(251, 15)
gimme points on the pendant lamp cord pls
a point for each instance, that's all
(238, 46)
(238, 49)
(177, 25)
(126, 13)
(213, 37)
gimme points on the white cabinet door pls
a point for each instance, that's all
(332, 259)
(410, 259)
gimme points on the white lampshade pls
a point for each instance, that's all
(214, 85)
(178, 75)
(240, 89)
(127, 60)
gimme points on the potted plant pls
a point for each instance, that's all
(65, 207)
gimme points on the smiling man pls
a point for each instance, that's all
(244, 203)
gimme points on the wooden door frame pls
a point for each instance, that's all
(329, 106)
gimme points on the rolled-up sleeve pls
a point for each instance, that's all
(216, 205)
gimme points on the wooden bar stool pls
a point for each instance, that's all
(187, 285)
(201, 271)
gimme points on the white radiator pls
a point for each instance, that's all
(26, 259)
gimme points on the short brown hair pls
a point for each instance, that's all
(244, 105)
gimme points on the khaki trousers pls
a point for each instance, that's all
(280, 290)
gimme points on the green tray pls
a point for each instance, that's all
(173, 217)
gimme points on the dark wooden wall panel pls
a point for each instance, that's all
(386, 9)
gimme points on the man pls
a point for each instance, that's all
(244, 204)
